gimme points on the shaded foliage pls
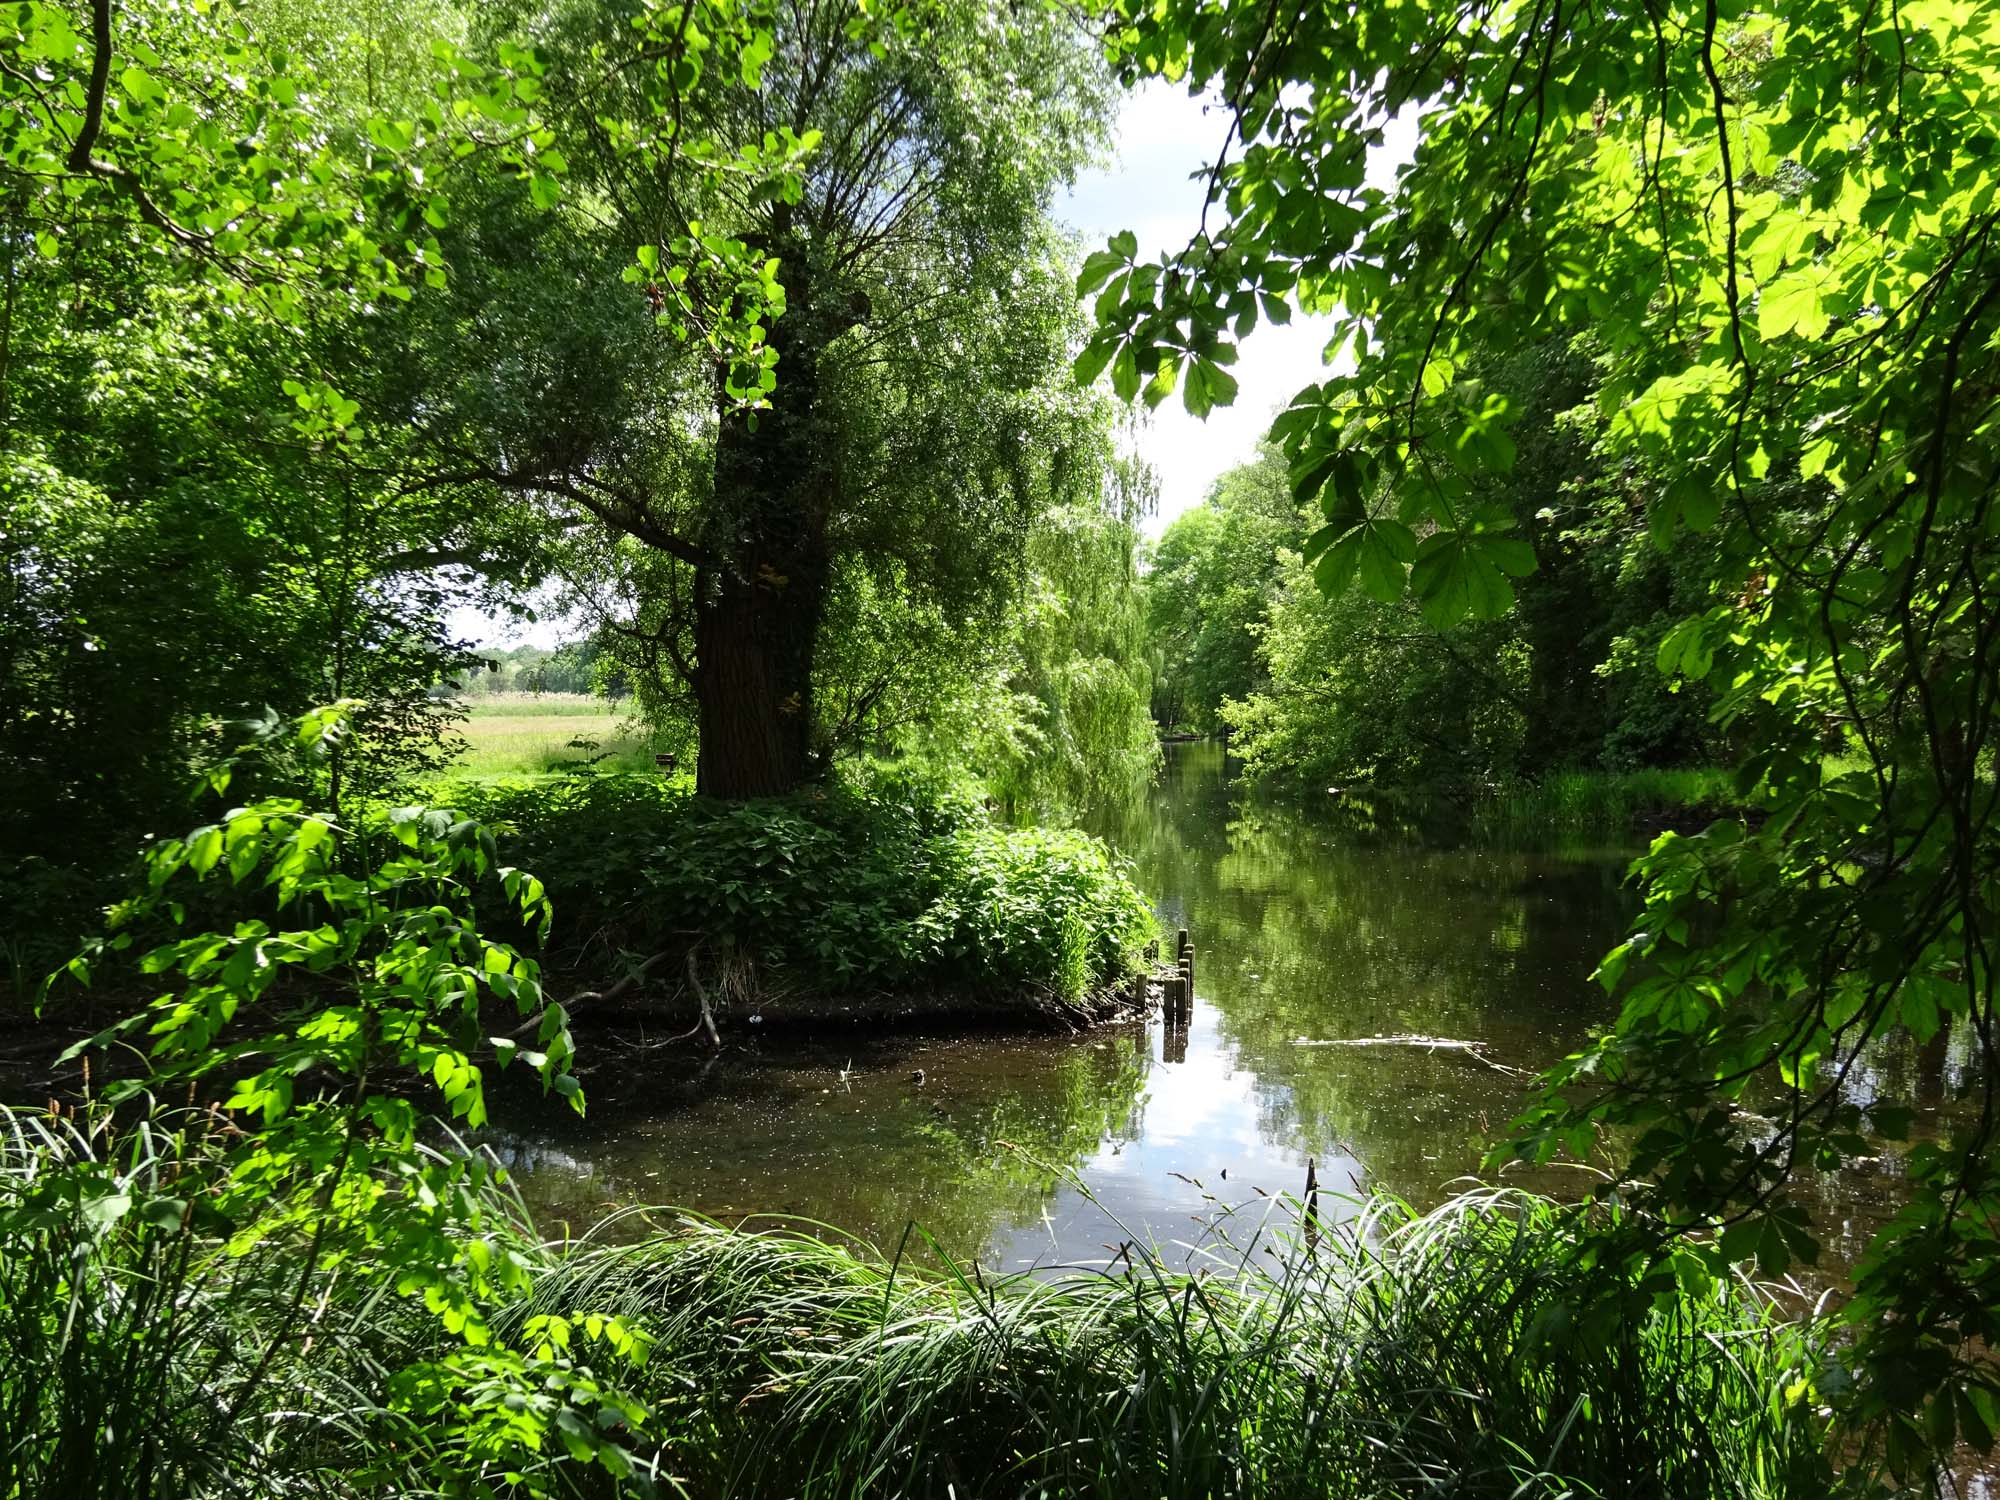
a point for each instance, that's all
(1783, 255)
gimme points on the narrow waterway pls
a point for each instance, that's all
(1310, 923)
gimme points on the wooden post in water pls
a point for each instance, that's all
(1312, 1206)
(1187, 986)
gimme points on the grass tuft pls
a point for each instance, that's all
(1474, 1351)
(1467, 1352)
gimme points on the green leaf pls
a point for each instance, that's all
(103, 1210)
(1098, 268)
(1457, 576)
(1793, 305)
(1684, 650)
(1091, 362)
(164, 1213)
(1125, 373)
(1195, 391)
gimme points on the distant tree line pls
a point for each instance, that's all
(1312, 687)
(578, 666)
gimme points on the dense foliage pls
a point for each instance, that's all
(252, 1174)
(1209, 593)
(1316, 688)
(900, 884)
(169, 1267)
(876, 464)
(320, 326)
(611, 1366)
(742, 331)
(1776, 226)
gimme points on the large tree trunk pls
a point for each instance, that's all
(758, 611)
(755, 631)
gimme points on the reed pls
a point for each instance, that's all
(1471, 1351)
(1611, 800)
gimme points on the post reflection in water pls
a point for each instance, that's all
(1311, 923)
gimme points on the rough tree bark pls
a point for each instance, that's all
(759, 609)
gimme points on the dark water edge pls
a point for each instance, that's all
(1310, 924)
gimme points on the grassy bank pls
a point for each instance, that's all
(1467, 1351)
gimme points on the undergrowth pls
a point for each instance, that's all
(272, 1286)
(1473, 1351)
(894, 882)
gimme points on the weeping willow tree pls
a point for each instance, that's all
(1080, 676)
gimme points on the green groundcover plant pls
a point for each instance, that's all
(895, 880)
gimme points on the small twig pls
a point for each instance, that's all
(701, 995)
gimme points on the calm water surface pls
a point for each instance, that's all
(1309, 924)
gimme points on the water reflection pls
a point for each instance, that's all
(1312, 924)
(953, 1135)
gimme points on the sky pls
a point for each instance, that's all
(1166, 143)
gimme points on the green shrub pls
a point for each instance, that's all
(900, 882)
(166, 1274)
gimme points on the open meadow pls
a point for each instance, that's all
(534, 733)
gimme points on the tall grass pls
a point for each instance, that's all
(1471, 1351)
(132, 1338)
(539, 705)
(151, 1349)
(534, 737)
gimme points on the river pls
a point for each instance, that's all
(1310, 924)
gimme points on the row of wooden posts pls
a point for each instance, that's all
(1177, 990)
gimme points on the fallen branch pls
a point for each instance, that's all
(700, 994)
(1476, 1051)
(632, 977)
